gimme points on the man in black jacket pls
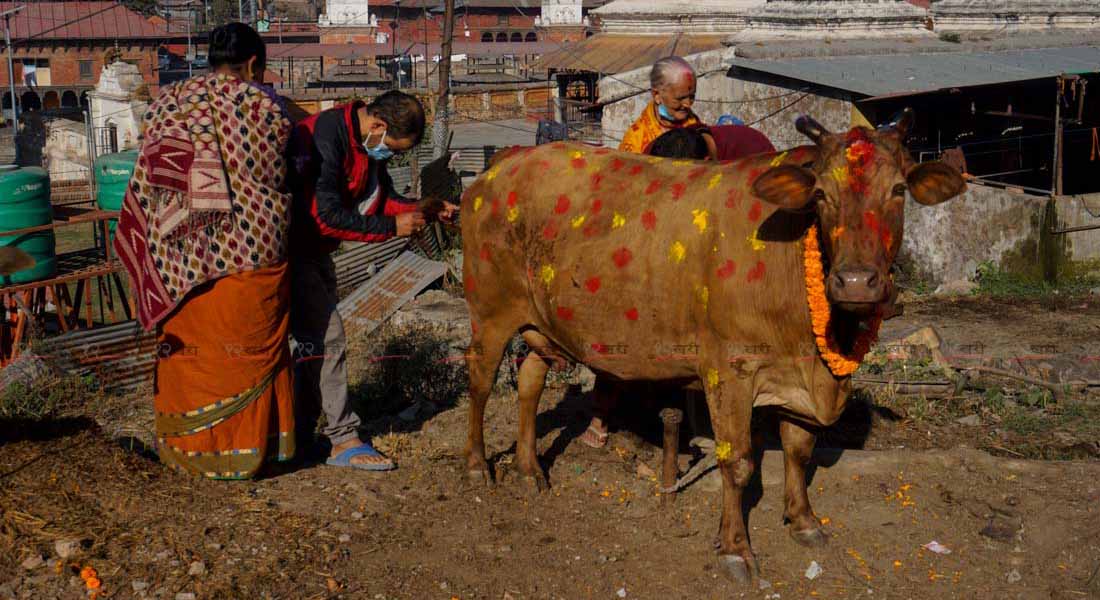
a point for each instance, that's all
(342, 191)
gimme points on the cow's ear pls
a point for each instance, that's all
(786, 186)
(934, 182)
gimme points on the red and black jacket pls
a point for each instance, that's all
(330, 174)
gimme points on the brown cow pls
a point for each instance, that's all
(656, 269)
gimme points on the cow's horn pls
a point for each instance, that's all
(902, 122)
(806, 125)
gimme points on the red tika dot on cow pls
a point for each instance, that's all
(636, 169)
(592, 284)
(469, 284)
(513, 198)
(727, 270)
(649, 220)
(565, 313)
(696, 172)
(597, 204)
(755, 210)
(622, 257)
(550, 231)
(579, 163)
(485, 254)
(733, 198)
(596, 179)
(756, 273)
(631, 314)
(678, 190)
(562, 205)
(653, 187)
(617, 164)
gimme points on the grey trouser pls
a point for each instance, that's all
(320, 374)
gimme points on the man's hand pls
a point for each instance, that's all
(409, 223)
(448, 212)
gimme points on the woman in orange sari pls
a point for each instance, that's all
(672, 84)
(202, 234)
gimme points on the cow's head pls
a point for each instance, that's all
(857, 187)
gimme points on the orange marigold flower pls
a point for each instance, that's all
(88, 573)
(93, 583)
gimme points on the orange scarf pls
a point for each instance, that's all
(647, 128)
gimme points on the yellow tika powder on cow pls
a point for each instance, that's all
(491, 174)
(723, 451)
(477, 203)
(755, 242)
(513, 214)
(577, 221)
(778, 160)
(704, 295)
(617, 221)
(840, 174)
(699, 219)
(547, 275)
(717, 177)
(677, 252)
(713, 381)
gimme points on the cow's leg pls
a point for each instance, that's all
(482, 360)
(531, 380)
(798, 446)
(730, 403)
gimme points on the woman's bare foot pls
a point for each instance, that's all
(596, 434)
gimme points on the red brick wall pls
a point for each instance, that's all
(65, 64)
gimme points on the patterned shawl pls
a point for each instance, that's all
(648, 128)
(207, 198)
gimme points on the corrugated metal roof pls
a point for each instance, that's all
(615, 53)
(78, 20)
(895, 74)
(281, 51)
(369, 305)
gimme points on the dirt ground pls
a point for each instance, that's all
(896, 474)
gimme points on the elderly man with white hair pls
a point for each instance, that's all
(672, 83)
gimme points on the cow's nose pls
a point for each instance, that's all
(856, 285)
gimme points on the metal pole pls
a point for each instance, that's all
(11, 80)
(441, 126)
(190, 52)
(393, 52)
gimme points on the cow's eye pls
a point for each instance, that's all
(900, 189)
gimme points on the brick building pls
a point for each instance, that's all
(58, 50)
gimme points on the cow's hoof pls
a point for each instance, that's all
(535, 484)
(811, 538)
(736, 568)
(480, 477)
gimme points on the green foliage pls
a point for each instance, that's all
(147, 8)
(409, 365)
(996, 282)
(44, 398)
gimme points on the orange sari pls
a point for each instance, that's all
(223, 395)
(648, 128)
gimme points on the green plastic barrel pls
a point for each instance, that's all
(25, 202)
(112, 175)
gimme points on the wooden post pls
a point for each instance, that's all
(441, 122)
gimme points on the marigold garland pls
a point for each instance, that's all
(838, 363)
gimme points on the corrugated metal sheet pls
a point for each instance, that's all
(369, 305)
(615, 53)
(120, 357)
(895, 74)
(78, 20)
(359, 262)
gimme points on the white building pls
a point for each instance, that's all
(347, 13)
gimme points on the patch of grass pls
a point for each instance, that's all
(996, 282)
(406, 366)
(45, 398)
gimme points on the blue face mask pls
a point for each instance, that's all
(663, 111)
(379, 152)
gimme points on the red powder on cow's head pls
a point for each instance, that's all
(757, 272)
(755, 210)
(653, 186)
(550, 231)
(562, 206)
(622, 257)
(649, 220)
(494, 208)
(727, 270)
(870, 220)
(592, 284)
(678, 190)
(485, 254)
(696, 172)
(512, 172)
(565, 313)
(631, 314)
(597, 204)
(616, 164)
(635, 169)
(512, 199)
(469, 284)
(578, 163)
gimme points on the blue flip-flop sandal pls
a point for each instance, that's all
(344, 459)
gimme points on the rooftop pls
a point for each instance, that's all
(78, 20)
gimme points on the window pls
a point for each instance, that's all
(531, 37)
(502, 37)
(487, 37)
(517, 36)
(36, 71)
(85, 69)
(502, 20)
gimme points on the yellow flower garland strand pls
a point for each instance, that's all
(839, 364)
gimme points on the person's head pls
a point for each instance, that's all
(682, 142)
(672, 82)
(236, 48)
(394, 123)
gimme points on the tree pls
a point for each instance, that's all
(145, 7)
